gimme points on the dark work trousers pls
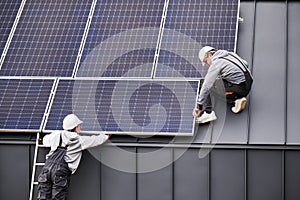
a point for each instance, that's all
(54, 178)
(235, 91)
(232, 93)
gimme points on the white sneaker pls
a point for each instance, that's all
(206, 117)
(240, 105)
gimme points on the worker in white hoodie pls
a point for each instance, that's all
(234, 73)
(64, 157)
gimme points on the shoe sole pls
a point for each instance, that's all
(243, 104)
(242, 107)
(207, 120)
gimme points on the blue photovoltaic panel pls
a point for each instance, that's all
(122, 39)
(190, 25)
(47, 38)
(23, 103)
(126, 106)
(8, 14)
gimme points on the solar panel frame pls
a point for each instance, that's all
(182, 35)
(41, 45)
(24, 94)
(111, 96)
(118, 47)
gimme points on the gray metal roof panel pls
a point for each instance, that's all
(267, 115)
(293, 71)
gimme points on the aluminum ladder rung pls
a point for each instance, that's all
(39, 164)
(43, 146)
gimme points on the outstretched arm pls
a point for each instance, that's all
(93, 140)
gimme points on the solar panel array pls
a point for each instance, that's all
(104, 60)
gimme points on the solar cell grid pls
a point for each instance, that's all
(126, 106)
(67, 100)
(190, 25)
(23, 103)
(47, 38)
(8, 14)
(122, 39)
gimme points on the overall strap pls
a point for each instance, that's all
(60, 141)
(243, 70)
(247, 74)
(246, 70)
(237, 58)
(244, 65)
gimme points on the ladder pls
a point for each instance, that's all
(34, 183)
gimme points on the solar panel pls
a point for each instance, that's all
(23, 103)
(126, 106)
(8, 14)
(190, 25)
(122, 39)
(47, 38)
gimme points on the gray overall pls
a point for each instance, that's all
(54, 178)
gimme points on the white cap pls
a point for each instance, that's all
(71, 121)
(203, 52)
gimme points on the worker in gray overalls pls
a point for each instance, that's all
(64, 157)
